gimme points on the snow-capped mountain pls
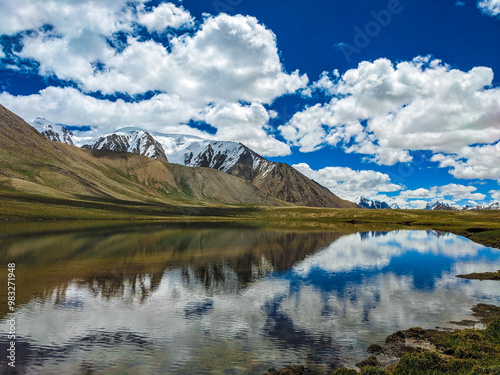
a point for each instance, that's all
(395, 206)
(131, 140)
(53, 131)
(436, 204)
(490, 206)
(364, 202)
(276, 180)
(229, 157)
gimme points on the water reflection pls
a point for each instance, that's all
(239, 300)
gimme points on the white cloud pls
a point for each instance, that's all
(246, 124)
(69, 106)
(477, 162)
(489, 7)
(163, 113)
(419, 193)
(348, 183)
(449, 194)
(387, 109)
(495, 194)
(203, 75)
(459, 192)
(164, 16)
(69, 18)
(230, 58)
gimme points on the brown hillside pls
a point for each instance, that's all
(30, 163)
(288, 184)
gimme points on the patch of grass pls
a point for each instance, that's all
(288, 370)
(482, 276)
(458, 352)
(345, 371)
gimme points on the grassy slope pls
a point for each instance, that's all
(31, 165)
(480, 226)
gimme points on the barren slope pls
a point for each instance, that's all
(30, 163)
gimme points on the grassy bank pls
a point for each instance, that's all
(480, 226)
(430, 351)
(461, 352)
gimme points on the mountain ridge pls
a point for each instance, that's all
(371, 204)
(32, 164)
(276, 180)
(53, 131)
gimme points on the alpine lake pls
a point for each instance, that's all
(159, 298)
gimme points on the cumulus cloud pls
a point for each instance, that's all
(384, 109)
(164, 16)
(232, 58)
(165, 113)
(448, 194)
(495, 194)
(246, 124)
(102, 17)
(348, 183)
(477, 162)
(459, 192)
(489, 7)
(419, 193)
(223, 71)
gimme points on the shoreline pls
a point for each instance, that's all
(482, 227)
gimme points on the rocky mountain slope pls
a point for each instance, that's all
(32, 164)
(136, 142)
(370, 204)
(53, 131)
(436, 204)
(276, 180)
(480, 207)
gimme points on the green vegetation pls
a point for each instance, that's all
(482, 276)
(459, 352)
(480, 226)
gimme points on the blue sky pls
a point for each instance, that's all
(396, 100)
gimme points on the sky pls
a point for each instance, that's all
(395, 100)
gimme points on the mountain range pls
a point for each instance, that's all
(276, 180)
(53, 131)
(32, 164)
(436, 204)
(371, 204)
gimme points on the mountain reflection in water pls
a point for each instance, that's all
(177, 299)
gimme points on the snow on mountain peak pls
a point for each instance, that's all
(370, 204)
(53, 131)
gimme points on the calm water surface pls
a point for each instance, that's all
(157, 299)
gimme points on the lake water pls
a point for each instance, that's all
(164, 299)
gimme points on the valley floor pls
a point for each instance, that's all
(480, 226)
